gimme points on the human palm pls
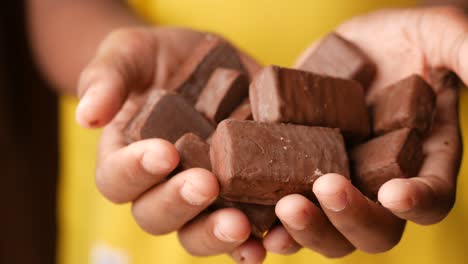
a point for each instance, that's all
(132, 62)
(129, 64)
(426, 41)
(429, 42)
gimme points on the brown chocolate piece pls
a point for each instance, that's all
(408, 103)
(212, 53)
(261, 217)
(394, 155)
(338, 57)
(225, 90)
(443, 78)
(292, 96)
(243, 111)
(193, 152)
(166, 115)
(261, 163)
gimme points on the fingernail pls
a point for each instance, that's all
(220, 232)
(400, 206)
(154, 164)
(335, 202)
(298, 223)
(84, 110)
(293, 224)
(82, 113)
(193, 195)
(396, 195)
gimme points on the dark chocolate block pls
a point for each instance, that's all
(261, 163)
(168, 116)
(292, 96)
(243, 111)
(338, 57)
(261, 217)
(397, 154)
(193, 76)
(225, 90)
(408, 103)
(193, 152)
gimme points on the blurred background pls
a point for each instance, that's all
(29, 152)
(28, 148)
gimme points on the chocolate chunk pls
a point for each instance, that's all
(225, 90)
(397, 154)
(298, 97)
(243, 111)
(261, 217)
(261, 163)
(193, 152)
(443, 78)
(408, 103)
(211, 54)
(168, 116)
(338, 57)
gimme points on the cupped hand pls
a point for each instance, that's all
(128, 65)
(401, 42)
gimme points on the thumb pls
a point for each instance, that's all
(443, 36)
(124, 61)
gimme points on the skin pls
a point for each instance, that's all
(400, 42)
(133, 58)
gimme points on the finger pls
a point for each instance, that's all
(308, 225)
(250, 252)
(220, 232)
(279, 241)
(367, 225)
(124, 172)
(443, 34)
(169, 205)
(421, 200)
(302, 59)
(429, 197)
(124, 61)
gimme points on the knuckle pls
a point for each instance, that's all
(130, 41)
(103, 187)
(99, 69)
(202, 249)
(146, 222)
(206, 244)
(184, 239)
(108, 182)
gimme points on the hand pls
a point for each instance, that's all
(400, 42)
(129, 63)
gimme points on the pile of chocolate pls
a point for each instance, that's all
(306, 123)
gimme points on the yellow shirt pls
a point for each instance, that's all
(95, 231)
